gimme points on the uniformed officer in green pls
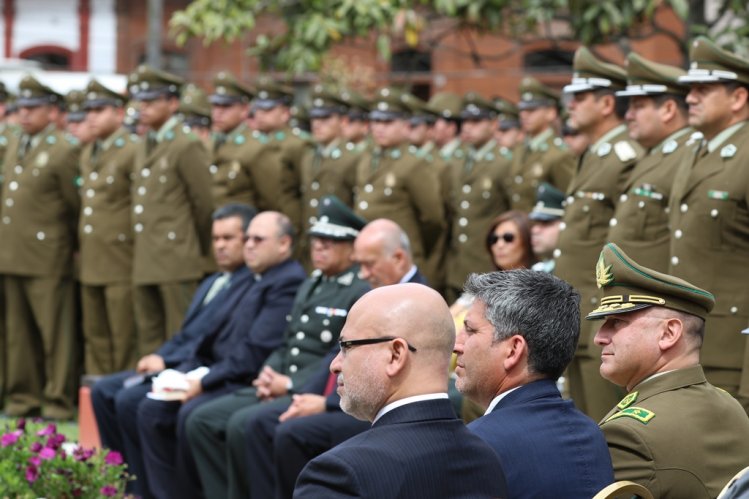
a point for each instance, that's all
(393, 183)
(508, 132)
(674, 432)
(237, 170)
(594, 191)
(39, 217)
(446, 130)
(216, 429)
(195, 111)
(547, 218)
(420, 137)
(172, 206)
(75, 117)
(478, 193)
(709, 209)
(105, 233)
(657, 119)
(271, 107)
(543, 155)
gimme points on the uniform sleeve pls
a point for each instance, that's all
(630, 455)
(193, 170)
(424, 187)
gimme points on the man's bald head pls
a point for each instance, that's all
(413, 357)
(383, 251)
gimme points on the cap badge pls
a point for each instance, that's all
(604, 276)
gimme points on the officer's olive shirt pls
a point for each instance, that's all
(292, 146)
(40, 205)
(105, 229)
(543, 158)
(640, 222)
(709, 215)
(172, 206)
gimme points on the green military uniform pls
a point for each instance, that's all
(314, 325)
(395, 184)
(640, 222)
(39, 218)
(194, 107)
(74, 112)
(106, 244)
(478, 197)
(543, 158)
(239, 169)
(709, 220)
(674, 432)
(358, 111)
(172, 207)
(549, 208)
(593, 194)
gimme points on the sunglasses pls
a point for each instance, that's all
(507, 237)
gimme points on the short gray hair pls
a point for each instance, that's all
(541, 308)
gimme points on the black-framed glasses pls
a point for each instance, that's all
(348, 344)
(507, 237)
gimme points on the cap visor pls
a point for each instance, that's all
(574, 88)
(605, 310)
(223, 100)
(541, 216)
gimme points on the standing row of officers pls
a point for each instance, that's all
(123, 220)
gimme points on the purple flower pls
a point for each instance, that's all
(32, 473)
(21, 424)
(35, 447)
(55, 441)
(47, 453)
(34, 460)
(108, 491)
(10, 438)
(82, 454)
(113, 458)
(51, 429)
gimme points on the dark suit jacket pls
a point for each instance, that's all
(548, 448)
(200, 320)
(238, 346)
(416, 450)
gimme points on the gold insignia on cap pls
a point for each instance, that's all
(603, 273)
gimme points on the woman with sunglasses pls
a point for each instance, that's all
(508, 241)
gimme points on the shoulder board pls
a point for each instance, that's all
(694, 138)
(670, 146)
(642, 415)
(346, 279)
(624, 151)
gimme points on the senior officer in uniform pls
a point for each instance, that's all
(39, 216)
(508, 132)
(478, 193)
(543, 155)
(216, 430)
(395, 184)
(172, 207)
(708, 211)
(106, 235)
(272, 113)
(592, 197)
(657, 119)
(674, 432)
(239, 167)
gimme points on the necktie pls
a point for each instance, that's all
(330, 386)
(220, 283)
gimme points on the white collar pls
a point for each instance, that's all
(408, 400)
(408, 275)
(496, 399)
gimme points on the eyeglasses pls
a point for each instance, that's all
(348, 344)
(507, 237)
(255, 239)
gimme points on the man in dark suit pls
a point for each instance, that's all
(313, 422)
(392, 371)
(226, 358)
(518, 337)
(116, 397)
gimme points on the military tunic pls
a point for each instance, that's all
(592, 196)
(478, 197)
(291, 148)
(709, 217)
(678, 436)
(392, 183)
(39, 217)
(105, 232)
(544, 158)
(240, 169)
(172, 206)
(640, 222)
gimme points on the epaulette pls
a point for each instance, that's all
(642, 415)
(624, 151)
(694, 138)
(670, 146)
